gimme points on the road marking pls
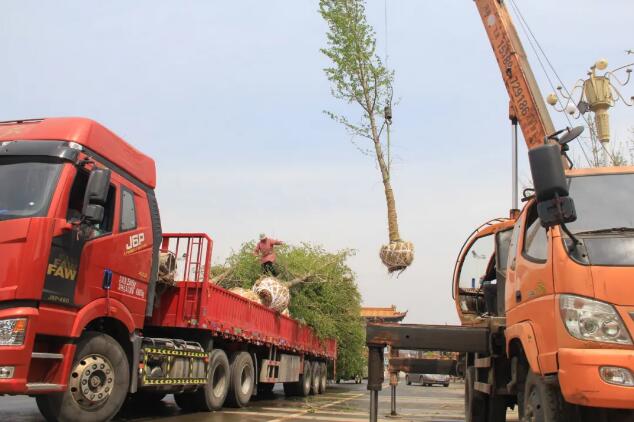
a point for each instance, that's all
(312, 411)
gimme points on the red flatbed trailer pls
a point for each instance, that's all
(84, 319)
(196, 302)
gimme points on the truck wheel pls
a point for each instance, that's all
(314, 378)
(475, 407)
(242, 380)
(323, 379)
(541, 402)
(305, 380)
(407, 380)
(213, 394)
(98, 384)
(302, 387)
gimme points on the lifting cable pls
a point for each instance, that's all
(533, 42)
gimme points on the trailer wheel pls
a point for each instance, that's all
(323, 379)
(306, 379)
(314, 378)
(98, 384)
(213, 394)
(474, 401)
(541, 402)
(242, 380)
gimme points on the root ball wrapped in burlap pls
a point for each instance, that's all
(397, 255)
(273, 293)
(246, 293)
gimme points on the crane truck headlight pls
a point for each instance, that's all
(588, 319)
(12, 331)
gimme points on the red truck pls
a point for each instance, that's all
(84, 320)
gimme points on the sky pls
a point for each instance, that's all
(228, 98)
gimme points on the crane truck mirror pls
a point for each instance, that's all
(96, 195)
(554, 206)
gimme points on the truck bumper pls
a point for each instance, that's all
(581, 382)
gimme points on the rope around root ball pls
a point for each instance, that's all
(397, 256)
(273, 293)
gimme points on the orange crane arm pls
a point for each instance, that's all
(527, 103)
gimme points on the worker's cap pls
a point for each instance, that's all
(262, 236)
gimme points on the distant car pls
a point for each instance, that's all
(357, 379)
(427, 379)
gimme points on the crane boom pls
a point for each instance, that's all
(527, 104)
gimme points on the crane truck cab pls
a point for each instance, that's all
(561, 330)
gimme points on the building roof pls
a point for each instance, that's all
(389, 314)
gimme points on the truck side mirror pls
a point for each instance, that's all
(96, 195)
(554, 206)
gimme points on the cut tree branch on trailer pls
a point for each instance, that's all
(324, 294)
(359, 76)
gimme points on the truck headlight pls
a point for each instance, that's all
(12, 331)
(588, 319)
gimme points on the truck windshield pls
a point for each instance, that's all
(26, 187)
(605, 222)
(603, 203)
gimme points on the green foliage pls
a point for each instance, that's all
(357, 74)
(324, 294)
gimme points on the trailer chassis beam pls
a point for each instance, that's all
(416, 337)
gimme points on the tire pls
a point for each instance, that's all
(446, 385)
(242, 380)
(305, 380)
(541, 402)
(303, 386)
(315, 377)
(323, 379)
(212, 395)
(101, 362)
(475, 406)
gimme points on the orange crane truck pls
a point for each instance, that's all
(544, 297)
(85, 319)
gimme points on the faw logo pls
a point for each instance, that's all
(135, 243)
(62, 267)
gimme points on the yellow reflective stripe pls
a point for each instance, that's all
(171, 352)
(173, 381)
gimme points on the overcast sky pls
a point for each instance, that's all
(228, 97)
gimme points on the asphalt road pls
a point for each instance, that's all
(341, 403)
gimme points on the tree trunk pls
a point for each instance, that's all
(392, 219)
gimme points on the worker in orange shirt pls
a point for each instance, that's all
(265, 249)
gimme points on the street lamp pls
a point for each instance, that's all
(597, 94)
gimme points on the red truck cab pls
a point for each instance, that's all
(45, 166)
(80, 238)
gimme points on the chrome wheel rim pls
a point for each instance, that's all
(92, 381)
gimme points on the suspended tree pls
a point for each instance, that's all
(359, 77)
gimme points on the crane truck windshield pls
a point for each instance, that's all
(605, 221)
(603, 203)
(26, 187)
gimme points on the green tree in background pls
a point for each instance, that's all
(324, 294)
